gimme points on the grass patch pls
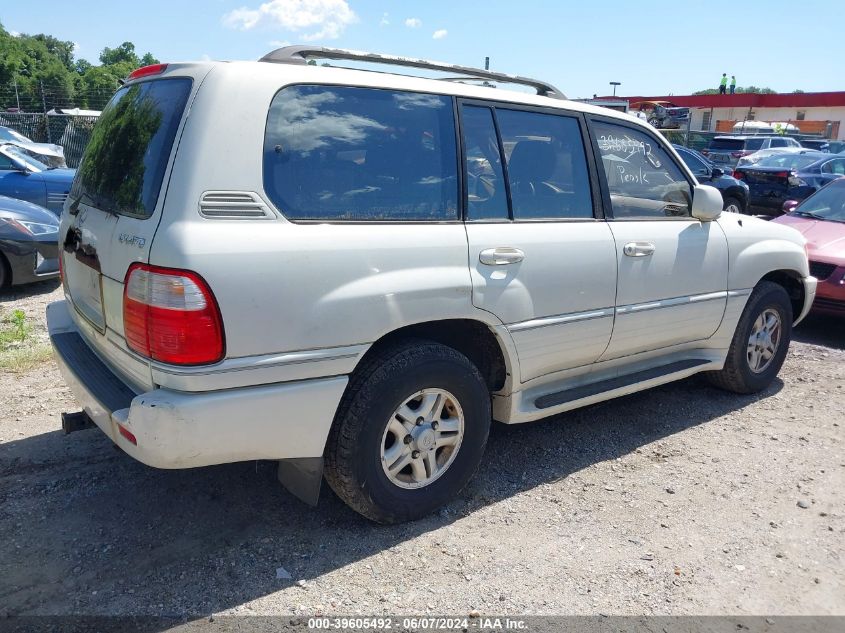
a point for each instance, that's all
(19, 350)
(18, 360)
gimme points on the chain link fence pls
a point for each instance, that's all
(72, 132)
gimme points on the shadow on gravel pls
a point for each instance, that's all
(14, 293)
(89, 531)
(824, 330)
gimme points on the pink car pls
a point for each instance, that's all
(821, 218)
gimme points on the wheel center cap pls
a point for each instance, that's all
(426, 440)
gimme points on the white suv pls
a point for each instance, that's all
(354, 272)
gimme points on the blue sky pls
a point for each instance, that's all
(652, 47)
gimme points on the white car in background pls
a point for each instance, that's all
(49, 153)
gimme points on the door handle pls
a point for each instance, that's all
(501, 256)
(638, 249)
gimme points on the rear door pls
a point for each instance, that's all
(540, 258)
(673, 269)
(114, 208)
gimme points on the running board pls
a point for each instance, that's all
(593, 389)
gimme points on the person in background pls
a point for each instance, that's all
(723, 83)
(733, 84)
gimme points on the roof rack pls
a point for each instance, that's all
(301, 54)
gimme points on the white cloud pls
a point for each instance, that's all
(439, 34)
(385, 20)
(205, 57)
(413, 23)
(15, 33)
(309, 19)
(76, 48)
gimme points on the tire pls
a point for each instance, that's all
(767, 300)
(370, 408)
(654, 122)
(733, 205)
(5, 273)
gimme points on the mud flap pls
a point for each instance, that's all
(302, 477)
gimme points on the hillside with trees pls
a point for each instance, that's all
(40, 72)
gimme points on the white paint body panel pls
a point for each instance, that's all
(302, 303)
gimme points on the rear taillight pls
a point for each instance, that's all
(145, 71)
(738, 175)
(171, 316)
(705, 152)
(741, 153)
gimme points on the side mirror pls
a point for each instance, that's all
(717, 172)
(706, 203)
(789, 205)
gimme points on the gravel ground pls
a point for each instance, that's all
(680, 500)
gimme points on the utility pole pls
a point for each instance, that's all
(486, 63)
(17, 96)
(614, 84)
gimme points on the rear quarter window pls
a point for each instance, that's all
(349, 154)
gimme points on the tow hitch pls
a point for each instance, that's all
(78, 421)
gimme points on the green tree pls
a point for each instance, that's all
(123, 53)
(148, 60)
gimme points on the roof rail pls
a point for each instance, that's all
(301, 54)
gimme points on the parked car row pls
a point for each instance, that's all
(788, 176)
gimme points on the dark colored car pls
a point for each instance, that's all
(29, 249)
(662, 114)
(818, 144)
(726, 151)
(781, 177)
(26, 178)
(821, 219)
(734, 192)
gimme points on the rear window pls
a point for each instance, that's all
(787, 161)
(343, 153)
(124, 163)
(736, 144)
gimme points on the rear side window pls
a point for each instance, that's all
(124, 163)
(345, 153)
(547, 167)
(754, 144)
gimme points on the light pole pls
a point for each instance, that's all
(614, 84)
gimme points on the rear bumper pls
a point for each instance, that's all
(175, 429)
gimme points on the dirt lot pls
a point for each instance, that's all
(680, 500)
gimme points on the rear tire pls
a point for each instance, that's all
(760, 342)
(383, 415)
(5, 272)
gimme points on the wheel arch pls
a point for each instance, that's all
(476, 340)
(791, 281)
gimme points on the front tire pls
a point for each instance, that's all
(732, 205)
(409, 433)
(760, 342)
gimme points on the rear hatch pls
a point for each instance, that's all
(678, 113)
(727, 151)
(766, 184)
(115, 204)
